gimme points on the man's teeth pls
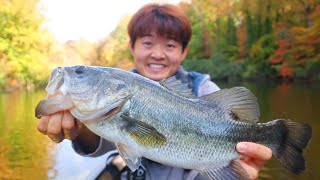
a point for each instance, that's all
(156, 66)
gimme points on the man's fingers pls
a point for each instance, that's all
(254, 150)
(256, 155)
(69, 126)
(251, 169)
(43, 124)
(54, 129)
(59, 126)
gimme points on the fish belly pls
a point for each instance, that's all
(200, 155)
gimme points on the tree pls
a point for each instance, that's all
(23, 44)
(115, 49)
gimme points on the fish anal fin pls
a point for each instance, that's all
(241, 103)
(131, 157)
(143, 133)
(232, 171)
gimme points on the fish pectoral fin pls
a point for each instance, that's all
(178, 87)
(143, 133)
(232, 171)
(243, 105)
(131, 157)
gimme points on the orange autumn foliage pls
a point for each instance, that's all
(287, 71)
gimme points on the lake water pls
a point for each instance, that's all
(26, 154)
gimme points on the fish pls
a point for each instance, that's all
(166, 123)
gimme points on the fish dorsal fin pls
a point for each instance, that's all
(239, 100)
(177, 86)
(131, 157)
(143, 133)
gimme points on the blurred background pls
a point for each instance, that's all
(271, 47)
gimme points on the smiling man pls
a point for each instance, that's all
(156, 57)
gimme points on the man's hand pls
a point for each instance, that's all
(256, 156)
(62, 125)
(59, 126)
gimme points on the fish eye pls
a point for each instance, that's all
(80, 69)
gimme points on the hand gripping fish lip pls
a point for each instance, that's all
(52, 104)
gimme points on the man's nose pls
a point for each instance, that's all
(158, 52)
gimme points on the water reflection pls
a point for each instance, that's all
(23, 152)
(26, 154)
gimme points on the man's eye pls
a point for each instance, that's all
(171, 46)
(147, 43)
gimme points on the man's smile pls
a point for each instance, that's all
(156, 66)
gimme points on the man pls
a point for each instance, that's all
(159, 35)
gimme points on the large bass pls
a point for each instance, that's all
(165, 123)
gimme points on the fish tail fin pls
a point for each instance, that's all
(295, 137)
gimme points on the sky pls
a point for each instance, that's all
(87, 19)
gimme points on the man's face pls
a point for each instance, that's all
(156, 57)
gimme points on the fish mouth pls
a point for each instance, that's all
(60, 102)
(53, 103)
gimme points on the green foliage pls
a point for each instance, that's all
(196, 44)
(243, 38)
(262, 49)
(219, 66)
(23, 44)
(201, 43)
(253, 71)
(251, 32)
(231, 34)
(116, 47)
(277, 38)
(310, 71)
(257, 64)
(248, 39)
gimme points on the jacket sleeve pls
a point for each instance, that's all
(207, 87)
(202, 84)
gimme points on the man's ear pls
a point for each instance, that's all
(184, 53)
(187, 49)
